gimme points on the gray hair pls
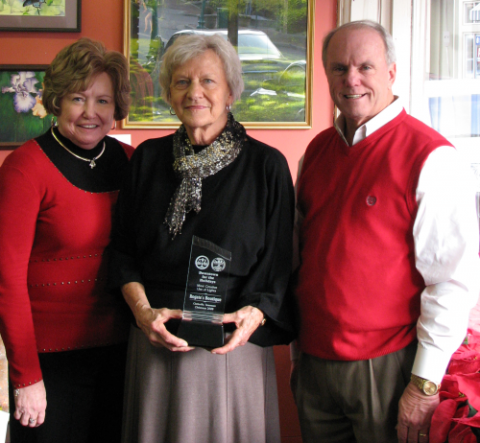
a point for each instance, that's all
(390, 55)
(187, 47)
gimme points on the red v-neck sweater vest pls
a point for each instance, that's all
(358, 289)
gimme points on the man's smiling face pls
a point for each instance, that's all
(359, 78)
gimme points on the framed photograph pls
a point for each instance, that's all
(40, 15)
(274, 41)
(22, 115)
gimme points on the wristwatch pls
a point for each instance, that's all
(426, 386)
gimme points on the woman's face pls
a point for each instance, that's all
(87, 116)
(199, 95)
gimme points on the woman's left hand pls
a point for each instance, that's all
(247, 320)
(30, 404)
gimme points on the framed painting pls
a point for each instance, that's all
(273, 39)
(22, 115)
(40, 15)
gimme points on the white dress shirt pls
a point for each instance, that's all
(446, 249)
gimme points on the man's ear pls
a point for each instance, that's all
(392, 74)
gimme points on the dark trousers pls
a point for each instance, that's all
(84, 398)
(352, 401)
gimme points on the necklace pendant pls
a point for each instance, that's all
(92, 163)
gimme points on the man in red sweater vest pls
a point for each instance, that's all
(388, 242)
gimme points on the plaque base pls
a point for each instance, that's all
(205, 335)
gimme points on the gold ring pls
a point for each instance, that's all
(422, 435)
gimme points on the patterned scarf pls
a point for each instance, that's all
(191, 168)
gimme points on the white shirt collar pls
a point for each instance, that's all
(368, 128)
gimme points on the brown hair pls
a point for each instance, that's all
(76, 65)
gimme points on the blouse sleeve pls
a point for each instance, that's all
(123, 266)
(19, 207)
(266, 286)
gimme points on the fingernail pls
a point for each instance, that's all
(213, 352)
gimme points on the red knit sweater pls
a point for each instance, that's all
(359, 290)
(52, 270)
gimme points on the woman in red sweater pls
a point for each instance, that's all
(64, 334)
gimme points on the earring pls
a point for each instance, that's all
(54, 123)
(114, 125)
(229, 108)
(172, 112)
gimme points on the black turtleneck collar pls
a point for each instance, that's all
(85, 153)
(106, 176)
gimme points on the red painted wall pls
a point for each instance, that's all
(103, 20)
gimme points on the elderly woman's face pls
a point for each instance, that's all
(87, 116)
(199, 94)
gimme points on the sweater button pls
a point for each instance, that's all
(371, 200)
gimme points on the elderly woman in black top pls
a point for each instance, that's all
(210, 180)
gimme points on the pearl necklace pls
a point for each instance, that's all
(92, 163)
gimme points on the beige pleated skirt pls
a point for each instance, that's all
(198, 397)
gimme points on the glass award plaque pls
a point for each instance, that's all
(205, 295)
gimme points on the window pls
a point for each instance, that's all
(446, 71)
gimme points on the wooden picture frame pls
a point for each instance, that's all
(22, 116)
(40, 15)
(275, 45)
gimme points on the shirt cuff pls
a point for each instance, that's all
(295, 352)
(430, 364)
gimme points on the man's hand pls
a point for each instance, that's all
(415, 411)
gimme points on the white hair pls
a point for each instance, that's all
(186, 47)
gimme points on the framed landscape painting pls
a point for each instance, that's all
(22, 115)
(40, 15)
(273, 39)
